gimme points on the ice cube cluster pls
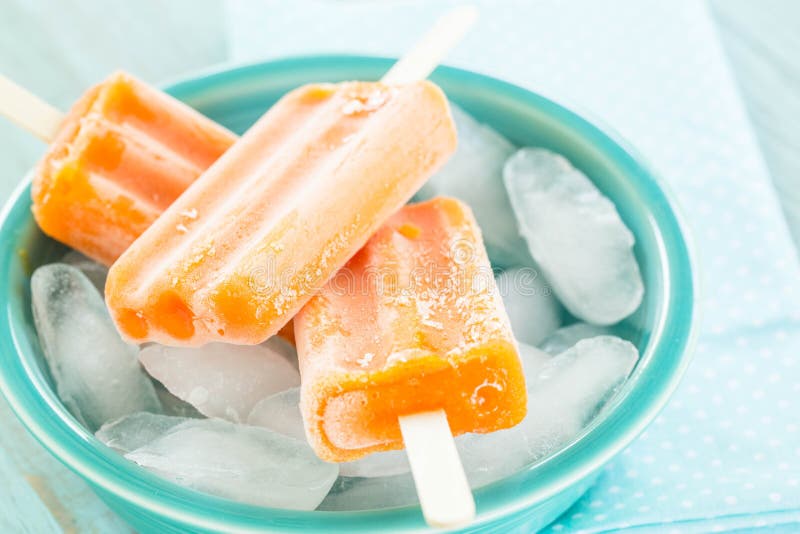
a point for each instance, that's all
(96, 374)
(225, 419)
(244, 463)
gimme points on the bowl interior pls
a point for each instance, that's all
(236, 98)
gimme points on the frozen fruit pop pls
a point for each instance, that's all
(413, 323)
(259, 233)
(122, 154)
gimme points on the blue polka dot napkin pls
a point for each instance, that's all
(725, 453)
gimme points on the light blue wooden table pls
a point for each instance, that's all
(58, 49)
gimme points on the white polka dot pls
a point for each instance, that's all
(775, 497)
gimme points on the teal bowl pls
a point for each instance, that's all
(529, 499)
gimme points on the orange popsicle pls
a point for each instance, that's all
(413, 323)
(255, 237)
(123, 153)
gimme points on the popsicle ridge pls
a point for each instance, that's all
(280, 212)
(413, 323)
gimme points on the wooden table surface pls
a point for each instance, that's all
(39, 495)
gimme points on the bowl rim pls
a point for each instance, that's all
(671, 342)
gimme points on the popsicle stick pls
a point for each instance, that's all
(28, 110)
(429, 51)
(442, 486)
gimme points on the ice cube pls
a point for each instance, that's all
(95, 272)
(575, 235)
(136, 430)
(244, 463)
(563, 396)
(566, 337)
(281, 413)
(475, 175)
(218, 379)
(370, 493)
(529, 301)
(97, 375)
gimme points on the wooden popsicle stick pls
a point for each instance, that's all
(429, 51)
(28, 110)
(439, 477)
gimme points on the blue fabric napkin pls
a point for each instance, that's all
(725, 454)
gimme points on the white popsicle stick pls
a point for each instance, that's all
(420, 61)
(28, 110)
(442, 486)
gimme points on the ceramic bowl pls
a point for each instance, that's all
(529, 499)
